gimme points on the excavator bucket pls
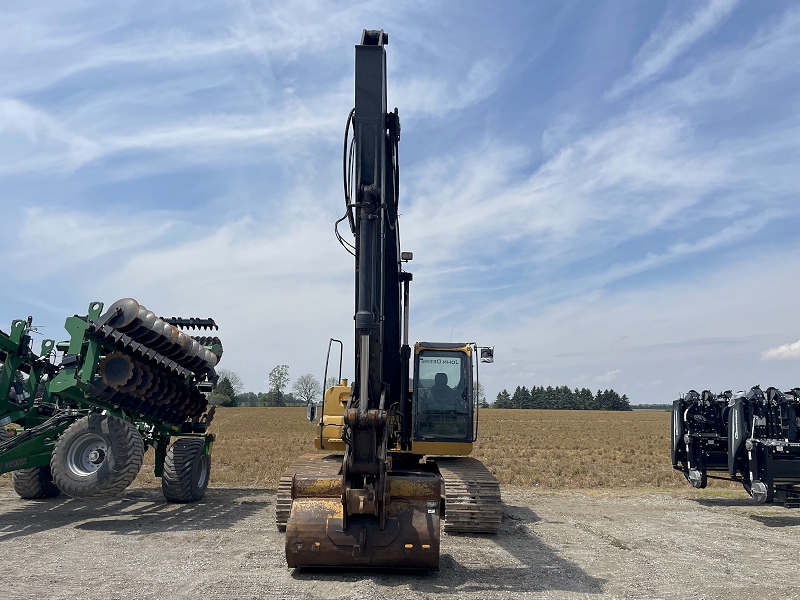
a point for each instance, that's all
(409, 539)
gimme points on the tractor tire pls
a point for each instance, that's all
(34, 484)
(97, 457)
(31, 484)
(186, 471)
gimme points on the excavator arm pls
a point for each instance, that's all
(368, 514)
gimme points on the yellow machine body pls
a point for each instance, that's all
(329, 436)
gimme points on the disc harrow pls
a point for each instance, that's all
(123, 370)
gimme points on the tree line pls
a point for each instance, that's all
(562, 398)
(229, 390)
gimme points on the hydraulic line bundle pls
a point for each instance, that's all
(752, 437)
(126, 380)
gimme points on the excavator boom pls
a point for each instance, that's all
(366, 513)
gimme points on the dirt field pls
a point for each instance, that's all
(535, 449)
(629, 528)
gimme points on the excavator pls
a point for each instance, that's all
(397, 465)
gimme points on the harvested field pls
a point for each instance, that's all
(542, 449)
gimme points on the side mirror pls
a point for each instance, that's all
(311, 412)
(487, 355)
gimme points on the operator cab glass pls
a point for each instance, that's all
(443, 396)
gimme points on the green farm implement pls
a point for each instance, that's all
(126, 381)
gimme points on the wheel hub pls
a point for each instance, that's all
(87, 454)
(97, 456)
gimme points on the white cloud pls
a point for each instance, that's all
(32, 139)
(609, 376)
(669, 40)
(439, 95)
(653, 172)
(55, 241)
(787, 351)
(744, 70)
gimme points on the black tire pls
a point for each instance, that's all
(31, 484)
(97, 457)
(34, 484)
(186, 471)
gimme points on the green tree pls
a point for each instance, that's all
(521, 398)
(272, 398)
(246, 399)
(537, 397)
(233, 378)
(278, 378)
(585, 399)
(611, 400)
(223, 393)
(307, 388)
(503, 400)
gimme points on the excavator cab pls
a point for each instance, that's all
(442, 393)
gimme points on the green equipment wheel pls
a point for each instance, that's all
(98, 456)
(34, 484)
(186, 471)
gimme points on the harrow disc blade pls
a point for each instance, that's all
(130, 309)
(116, 370)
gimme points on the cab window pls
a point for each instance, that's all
(443, 396)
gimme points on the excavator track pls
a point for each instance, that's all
(472, 496)
(308, 464)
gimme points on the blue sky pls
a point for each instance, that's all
(607, 192)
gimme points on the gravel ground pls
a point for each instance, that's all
(566, 545)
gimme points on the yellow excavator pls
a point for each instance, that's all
(397, 464)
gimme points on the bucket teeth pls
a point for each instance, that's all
(318, 535)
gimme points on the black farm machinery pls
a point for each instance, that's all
(78, 417)
(752, 437)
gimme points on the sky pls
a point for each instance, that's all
(606, 192)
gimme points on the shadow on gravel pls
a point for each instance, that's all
(538, 567)
(746, 501)
(138, 511)
(776, 521)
